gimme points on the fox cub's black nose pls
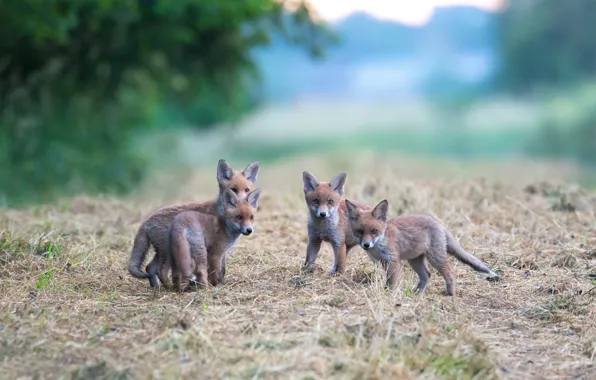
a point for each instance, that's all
(323, 214)
(249, 231)
(366, 245)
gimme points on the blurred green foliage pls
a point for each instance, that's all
(79, 78)
(547, 42)
(569, 125)
(548, 51)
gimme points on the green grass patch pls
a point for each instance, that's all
(455, 143)
(15, 248)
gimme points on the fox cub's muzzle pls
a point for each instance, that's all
(367, 243)
(321, 214)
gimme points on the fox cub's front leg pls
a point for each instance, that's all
(339, 259)
(312, 251)
(393, 269)
(223, 270)
(214, 271)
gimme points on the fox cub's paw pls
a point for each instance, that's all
(495, 276)
(307, 268)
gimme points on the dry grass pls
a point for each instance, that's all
(69, 307)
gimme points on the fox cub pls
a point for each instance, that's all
(199, 242)
(154, 231)
(414, 238)
(328, 220)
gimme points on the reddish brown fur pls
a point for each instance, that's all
(328, 221)
(414, 238)
(154, 231)
(199, 242)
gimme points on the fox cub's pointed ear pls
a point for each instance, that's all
(338, 183)
(224, 171)
(352, 212)
(253, 198)
(381, 210)
(251, 171)
(310, 181)
(230, 198)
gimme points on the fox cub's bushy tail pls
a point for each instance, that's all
(455, 250)
(139, 252)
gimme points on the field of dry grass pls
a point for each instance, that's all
(70, 309)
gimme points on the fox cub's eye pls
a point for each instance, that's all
(316, 201)
(246, 190)
(373, 231)
(235, 190)
(239, 217)
(330, 201)
(252, 217)
(360, 232)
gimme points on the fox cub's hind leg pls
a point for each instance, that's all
(176, 279)
(202, 278)
(422, 271)
(198, 253)
(446, 271)
(182, 261)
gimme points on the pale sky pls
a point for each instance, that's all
(413, 12)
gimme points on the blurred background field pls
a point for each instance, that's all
(98, 96)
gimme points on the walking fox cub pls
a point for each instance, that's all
(199, 242)
(413, 238)
(328, 220)
(154, 231)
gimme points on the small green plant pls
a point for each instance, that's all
(512, 243)
(45, 279)
(449, 364)
(433, 315)
(216, 292)
(43, 319)
(103, 329)
(452, 327)
(53, 250)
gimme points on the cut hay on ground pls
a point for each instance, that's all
(69, 307)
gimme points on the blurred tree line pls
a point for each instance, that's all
(79, 78)
(549, 52)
